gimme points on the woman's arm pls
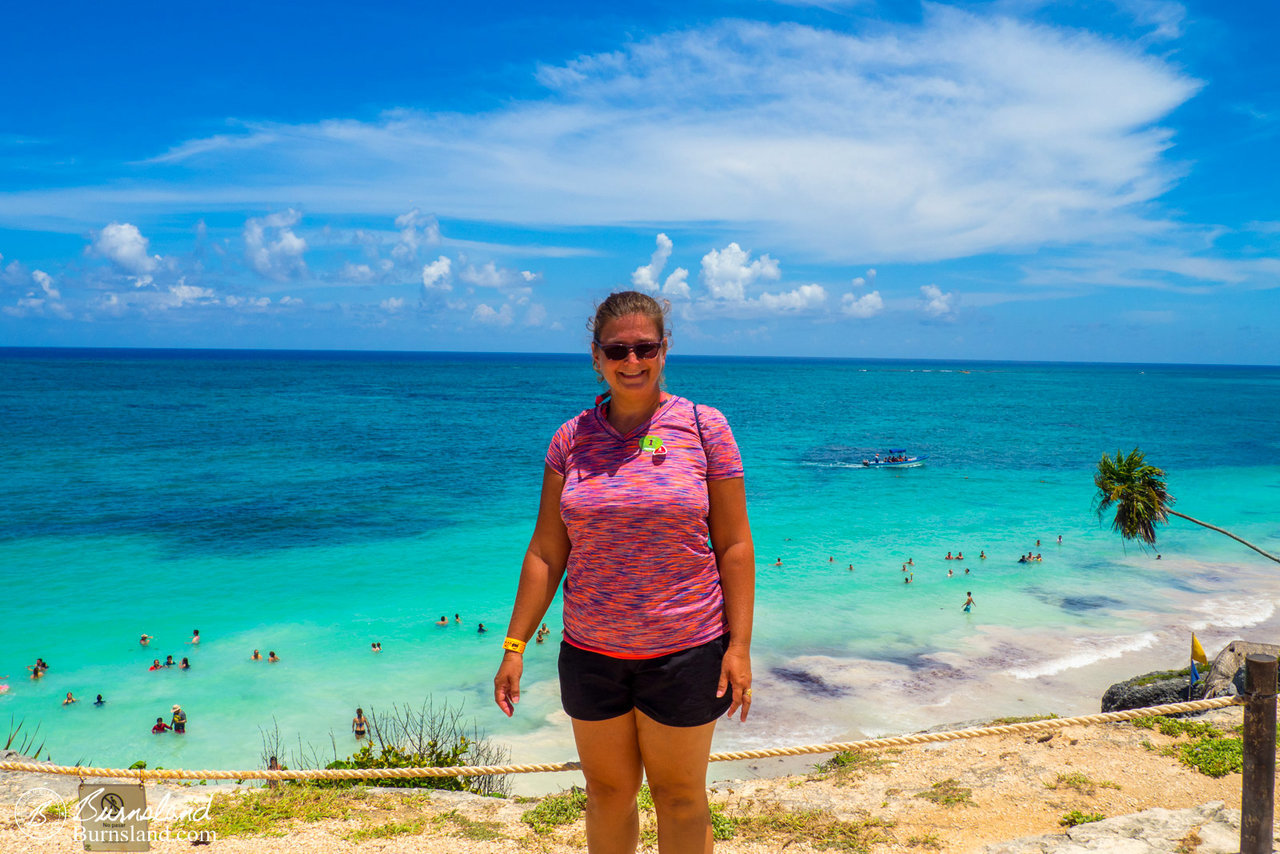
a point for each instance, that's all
(736, 561)
(540, 575)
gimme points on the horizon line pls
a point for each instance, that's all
(7, 349)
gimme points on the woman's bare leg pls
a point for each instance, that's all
(610, 755)
(675, 761)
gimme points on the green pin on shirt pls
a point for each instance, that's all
(652, 445)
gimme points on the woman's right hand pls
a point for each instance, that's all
(506, 685)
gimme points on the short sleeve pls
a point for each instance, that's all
(558, 450)
(723, 459)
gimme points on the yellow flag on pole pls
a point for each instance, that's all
(1197, 651)
(1197, 655)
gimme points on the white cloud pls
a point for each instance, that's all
(271, 246)
(45, 281)
(183, 294)
(391, 305)
(290, 301)
(1162, 16)
(357, 273)
(435, 276)
(935, 303)
(803, 298)
(123, 245)
(962, 133)
(485, 314)
(416, 229)
(867, 305)
(727, 272)
(530, 276)
(867, 278)
(646, 278)
(488, 276)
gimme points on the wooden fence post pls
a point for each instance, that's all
(1257, 796)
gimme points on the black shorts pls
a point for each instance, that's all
(676, 689)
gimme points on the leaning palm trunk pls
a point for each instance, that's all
(1137, 491)
(1266, 554)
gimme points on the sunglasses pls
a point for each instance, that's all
(618, 352)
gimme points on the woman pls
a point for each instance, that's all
(359, 724)
(657, 624)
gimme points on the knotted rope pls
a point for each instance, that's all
(143, 774)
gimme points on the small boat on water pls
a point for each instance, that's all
(895, 458)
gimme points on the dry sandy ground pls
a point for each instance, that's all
(1014, 781)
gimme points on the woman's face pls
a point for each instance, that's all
(630, 376)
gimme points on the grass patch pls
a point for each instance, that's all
(929, 840)
(853, 764)
(556, 810)
(269, 812)
(1160, 676)
(644, 799)
(1175, 727)
(722, 826)
(387, 831)
(1213, 757)
(1080, 783)
(814, 827)
(1026, 719)
(480, 831)
(1075, 817)
(1209, 751)
(948, 793)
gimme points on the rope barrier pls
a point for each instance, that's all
(143, 774)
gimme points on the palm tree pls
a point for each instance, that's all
(1137, 490)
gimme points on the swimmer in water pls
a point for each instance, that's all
(257, 656)
(359, 724)
(195, 636)
(99, 701)
(948, 557)
(910, 562)
(145, 639)
(778, 562)
(443, 621)
(70, 699)
(272, 658)
(968, 601)
(982, 555)
(186, 665)
(949, 573)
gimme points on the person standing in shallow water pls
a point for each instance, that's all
(644, 479)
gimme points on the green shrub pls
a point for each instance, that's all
(556, 810)
(1075, 817)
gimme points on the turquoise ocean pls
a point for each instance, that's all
(313, 503)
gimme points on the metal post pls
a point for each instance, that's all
(1257, 796)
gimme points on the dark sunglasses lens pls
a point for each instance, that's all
(618, 352)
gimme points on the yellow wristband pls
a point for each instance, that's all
(514, 645)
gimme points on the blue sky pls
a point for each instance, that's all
(1090, 181)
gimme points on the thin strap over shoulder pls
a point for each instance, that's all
(697, 422)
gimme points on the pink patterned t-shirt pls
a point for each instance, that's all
(641, 580)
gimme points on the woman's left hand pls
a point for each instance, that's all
(735, 673)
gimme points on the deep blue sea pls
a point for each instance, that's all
(313, 503)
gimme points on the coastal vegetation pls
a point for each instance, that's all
(948, 793)
(429, 736)
(1141, 499)
(1075, 817)
(1209, 750)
